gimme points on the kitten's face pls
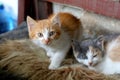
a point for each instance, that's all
(94, 56)
(88, 52)
(46, 31)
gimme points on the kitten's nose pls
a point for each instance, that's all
(47, 41)
(90, 63)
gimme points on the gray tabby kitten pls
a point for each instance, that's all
(101, 54)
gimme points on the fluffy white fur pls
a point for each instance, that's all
(107, 66)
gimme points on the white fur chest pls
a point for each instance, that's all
(107, 66)
(110, 67)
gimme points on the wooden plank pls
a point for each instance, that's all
(37, 9)
(21, 10)
(105, 7)
(25, 8)
(44, 9)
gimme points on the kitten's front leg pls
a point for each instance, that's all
(57, 59)
(50, 54)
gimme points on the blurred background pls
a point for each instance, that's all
(8, 15)
(14, 12)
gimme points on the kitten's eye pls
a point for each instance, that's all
(40, 34)
(51, 33)
(94, 55)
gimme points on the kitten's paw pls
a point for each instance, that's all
(48, 55)
(50, 58)
(52, 67)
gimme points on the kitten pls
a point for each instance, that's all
(101, 54)
(54, 35)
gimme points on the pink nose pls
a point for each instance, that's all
(47, 41)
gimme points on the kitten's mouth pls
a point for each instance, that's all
(93, 64)
(48, 43)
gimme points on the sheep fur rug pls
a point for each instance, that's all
(26, 60)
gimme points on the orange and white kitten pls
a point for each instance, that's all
(54, 35)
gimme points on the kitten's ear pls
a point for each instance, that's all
(30, 23)
(76, 45)
(100, 41)
(56, 20)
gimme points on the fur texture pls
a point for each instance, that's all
(55, 34)
(6, 75)
(103, 51)
(29, 61)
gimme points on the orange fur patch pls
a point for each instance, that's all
(95, 51)
(115, 54)
(69, 24)
(115, 51)
(40, 26)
